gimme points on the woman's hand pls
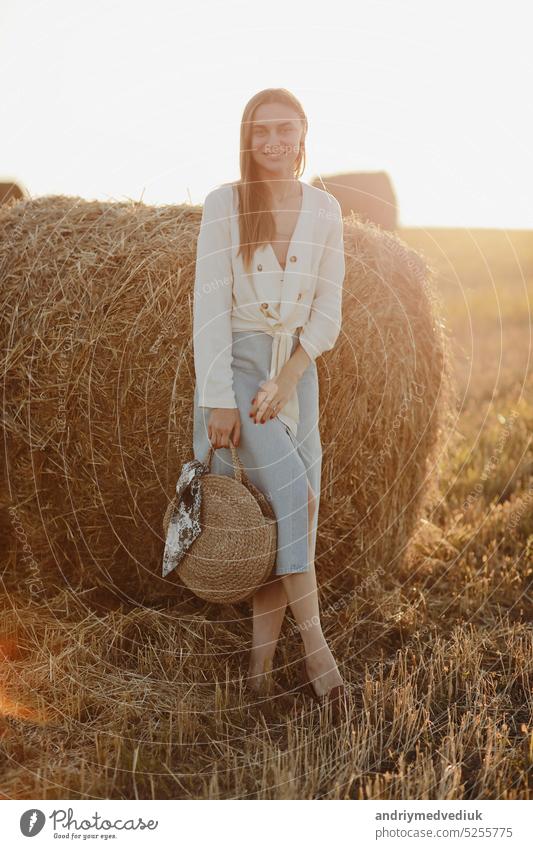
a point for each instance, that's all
(224, 424)
(273, 394)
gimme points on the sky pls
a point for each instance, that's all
(118, 99)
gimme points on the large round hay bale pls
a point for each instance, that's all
(98, 380)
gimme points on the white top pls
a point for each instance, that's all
(306, 295)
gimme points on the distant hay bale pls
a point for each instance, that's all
(369, 194)
(98, 380)
(11, 192)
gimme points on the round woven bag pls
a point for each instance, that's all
(236, 550)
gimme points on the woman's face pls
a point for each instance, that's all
(276, 133)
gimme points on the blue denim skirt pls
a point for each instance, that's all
(279, 464)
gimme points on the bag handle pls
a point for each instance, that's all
(242, 477)
(238, 468)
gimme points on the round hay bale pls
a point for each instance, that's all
(387, 403)
(98, 381)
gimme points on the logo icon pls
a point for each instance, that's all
(31, 822)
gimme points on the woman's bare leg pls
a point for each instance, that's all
(269, 605)
(301, 591)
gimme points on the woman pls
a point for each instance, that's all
(267, 302)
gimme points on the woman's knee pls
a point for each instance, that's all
(273, 588)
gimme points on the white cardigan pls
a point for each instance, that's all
(306, 295)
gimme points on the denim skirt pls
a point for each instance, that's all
(278, 463)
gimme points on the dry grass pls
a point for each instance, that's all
(104, 697)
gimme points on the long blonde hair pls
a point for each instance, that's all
(256, 222)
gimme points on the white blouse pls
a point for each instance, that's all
(306, 295)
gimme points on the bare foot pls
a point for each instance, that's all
(322, 670)
(260, 675)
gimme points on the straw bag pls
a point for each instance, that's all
(235, 552)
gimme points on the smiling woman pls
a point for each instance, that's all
(277, 242)
(272, 139)
(287, 131)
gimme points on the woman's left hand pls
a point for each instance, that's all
(272, 396)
